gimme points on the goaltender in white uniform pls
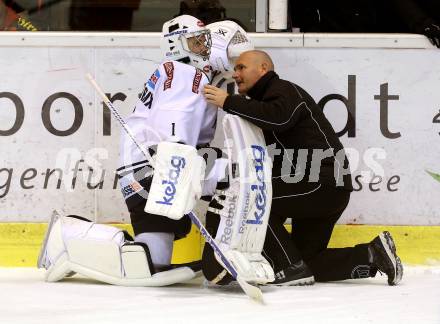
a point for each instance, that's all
(171, 117)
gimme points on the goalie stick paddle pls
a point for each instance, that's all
(250, 290)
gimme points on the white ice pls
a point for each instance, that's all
(26, 299)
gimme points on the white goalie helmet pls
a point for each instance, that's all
(229, 40)
(186, 39)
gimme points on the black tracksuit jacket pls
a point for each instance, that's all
(291, 120)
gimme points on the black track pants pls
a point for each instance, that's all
(314, 210)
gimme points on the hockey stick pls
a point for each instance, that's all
(250, 290)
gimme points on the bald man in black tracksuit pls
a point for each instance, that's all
(312, 194)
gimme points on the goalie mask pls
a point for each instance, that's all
(187, 40)
(229, 40)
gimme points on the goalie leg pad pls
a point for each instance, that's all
(246, 211)
(132, 266)
(101, 253)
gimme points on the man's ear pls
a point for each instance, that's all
(264, 67)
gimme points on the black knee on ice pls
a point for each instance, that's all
(212, 270)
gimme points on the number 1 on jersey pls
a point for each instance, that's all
(173, 129)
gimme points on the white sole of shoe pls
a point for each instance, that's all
(308, 281)
(390, 248)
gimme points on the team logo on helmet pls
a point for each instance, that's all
(221, 32)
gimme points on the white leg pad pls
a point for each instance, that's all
(104, 257)
(135, 262)
(59, 269)
(101, 253)
(244, 218)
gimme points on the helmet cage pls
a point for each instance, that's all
(187, 40)
(199, 39)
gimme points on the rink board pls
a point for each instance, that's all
(61, 146)
(384, 107)
(20, 242)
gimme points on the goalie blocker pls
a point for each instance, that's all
(101, 252)
(177, 181)
(167, 193)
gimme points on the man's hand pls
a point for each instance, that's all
(214, 95)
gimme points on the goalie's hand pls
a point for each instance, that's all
(214, 95)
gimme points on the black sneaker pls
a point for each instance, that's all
(384, 257)
(297, 274)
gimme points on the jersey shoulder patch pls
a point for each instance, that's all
(182, 77)
(151, 83)
(169, 71)
(196, 81)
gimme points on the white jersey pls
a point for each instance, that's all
(170, 108)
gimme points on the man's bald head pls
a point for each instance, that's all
(260, 57)
(250, 67)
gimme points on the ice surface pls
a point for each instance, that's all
(26, 298)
